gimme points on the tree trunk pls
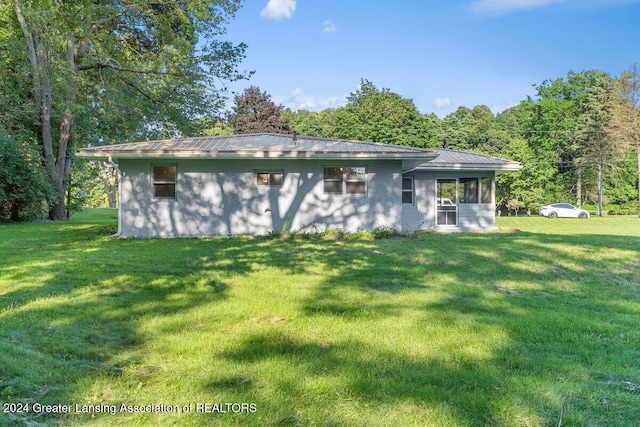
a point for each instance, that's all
(579, 187)
(57, 162)
(600, 189)
(109, 176)
(63, 159)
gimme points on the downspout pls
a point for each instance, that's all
(120, 175)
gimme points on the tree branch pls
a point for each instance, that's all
(116, 67)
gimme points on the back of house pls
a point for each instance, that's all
(257, 183)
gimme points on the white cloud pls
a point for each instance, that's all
(297, 100)
(506, 6)
(440, 103)
(279, 9)
(329, 27)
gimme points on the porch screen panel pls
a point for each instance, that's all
(447, 210)
(485, 190)
(468, 190)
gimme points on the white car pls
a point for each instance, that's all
(563, 210)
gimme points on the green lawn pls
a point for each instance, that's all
(536, 327)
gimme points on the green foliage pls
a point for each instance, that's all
(474, 130)
(24, 191)
(319, 124)
(255, 112)
(212, 127)
(565, 129)
(88, 187)
(625, 125)
(381, 116)
(525, 186)
(551, 135)
(104, 72)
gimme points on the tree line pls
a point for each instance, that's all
(89, 73)
(578, 138)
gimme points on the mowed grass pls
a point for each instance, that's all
(534, 327)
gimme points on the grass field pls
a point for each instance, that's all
(534, 327)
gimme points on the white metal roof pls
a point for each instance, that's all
(278, 146)
(258, 146)
(455, 160)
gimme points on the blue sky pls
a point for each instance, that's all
(441, 54)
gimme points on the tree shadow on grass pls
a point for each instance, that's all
(363, 375)
(72, 325)
(75, 307)
(532, 288)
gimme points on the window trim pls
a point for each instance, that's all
(345, 181)
(155, 181)
(271, 173)
(411, 190)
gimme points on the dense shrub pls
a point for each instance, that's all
(24, 191)
(627, 208)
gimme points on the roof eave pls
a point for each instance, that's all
(506, 167)
(101, 155)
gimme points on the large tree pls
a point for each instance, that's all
(255, 112)
(595, 144)
(475, 129)
(157, 60)
(625, 123)
(373, 114)
(320, 124)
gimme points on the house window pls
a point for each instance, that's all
(345, 180)
(407, 190)
(332, 180)
(269, 178)
(485, 190)
(468, 190)
(164, 181)
(355, 180)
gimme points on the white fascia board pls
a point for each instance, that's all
(253, 155)
(470, 167)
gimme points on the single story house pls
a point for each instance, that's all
(257, 183)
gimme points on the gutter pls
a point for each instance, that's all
(425, 157)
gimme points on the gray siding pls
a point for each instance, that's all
(422, 214)
(221, 197)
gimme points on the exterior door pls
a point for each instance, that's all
(446, 207)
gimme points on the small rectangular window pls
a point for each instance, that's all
(275, 178)
(485, 190)
(269, 178)
(407, 190)
(164, 181)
